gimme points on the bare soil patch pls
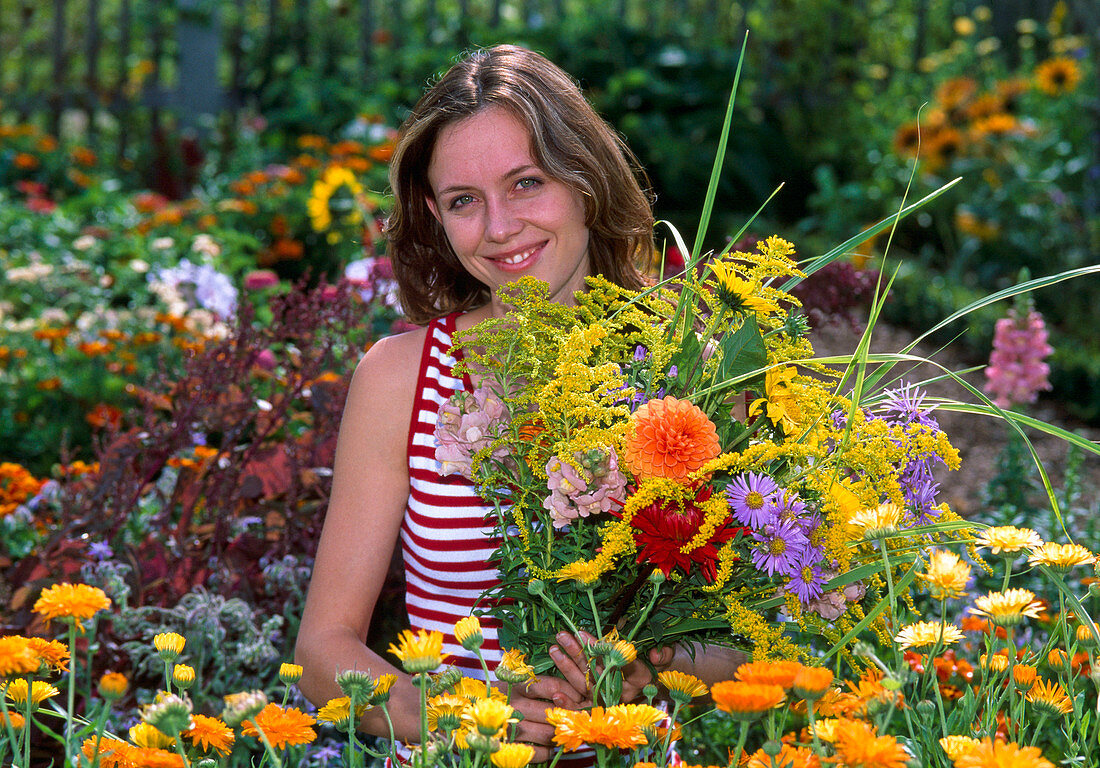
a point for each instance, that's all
(979, 439)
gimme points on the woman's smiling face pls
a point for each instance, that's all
(503, 215)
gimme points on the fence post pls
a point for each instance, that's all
(198, 33)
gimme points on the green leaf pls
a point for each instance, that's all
(742, 351)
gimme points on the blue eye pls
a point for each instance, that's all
(461, 200)
(528, 183)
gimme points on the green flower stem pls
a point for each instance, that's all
(422, 687)
(557, 608)
(485, 669)
(671, 727)
(645, 614)
(595, 612)
(269, 751)
(179, 749)
(389, 726)
(818, 749)
(889, 579)
(72, 686)
(1008, 572)
(741, 741)
(1038, 729)
(8, 727)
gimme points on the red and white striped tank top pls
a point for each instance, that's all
(445, 539)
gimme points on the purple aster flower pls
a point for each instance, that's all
(781, 546)
(753, 498)
(100, 550)
(921, 500)
(640, 353)
(905, 406)
(807, 581)
(790, 507)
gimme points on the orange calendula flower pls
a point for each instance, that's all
(995, 753)
(17, 657)
(781, 673)
(53, 652)
(1049, 698)
(670, 438)
(210, 733)
(282, 727)
(746, 701)
(788, 757)
(113, 685)
(811, 683)
(75, 602)
(856, 744)
(946, 575)
(619, 727)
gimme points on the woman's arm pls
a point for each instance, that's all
(370, 489)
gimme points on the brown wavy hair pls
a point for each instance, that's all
(570, 143)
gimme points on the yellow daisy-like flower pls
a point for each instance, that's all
(925, 634)
(1008, 608)
(1057, 76)
(17, 657)
(169, 645)
(738, 295)
(283, 727)
(210, 733)
(320, 203)
(183, 676)
(468, 633)
(997, 663)
(419, 653)
(584, 572)
(780, 403)
(513, 668)
(1060, 557)
(382, 688)
(1008, 539)
(746, 701)
(289, 674)
(878, 522)
(957, 746)
(682, 687)
(997, 753)
(74, 602)
(490, 716)
(1049, 698)
(513, 755)
(337, 711)
(446, 712)
(39, 691)
(947, 574)
(147, 736)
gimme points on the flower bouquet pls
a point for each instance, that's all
(672, 465)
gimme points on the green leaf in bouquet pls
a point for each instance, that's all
(743, 351)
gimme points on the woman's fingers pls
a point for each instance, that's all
(568, 656)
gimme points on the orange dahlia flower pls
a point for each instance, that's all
(670, 438)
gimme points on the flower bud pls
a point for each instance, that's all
(243, 706)
(289, 674)
(169, 646)
(183, 676)
(357, 686)
(113, 686)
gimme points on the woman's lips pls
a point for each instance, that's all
(517, 261)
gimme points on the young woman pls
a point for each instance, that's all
(502, 170)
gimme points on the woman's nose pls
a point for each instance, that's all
(501, 222)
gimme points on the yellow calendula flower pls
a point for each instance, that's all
(584, 572)
(169, 646)
(338, 711)
(946, 575)
(997, 753)
(1060, 557)
(513, 755)
(382, 687)
(74, 602)
(39, 691)
(113, 685)
(289, 673)
(419, 653)
(738, 295)
(468, 633)
(1008, 608)
(925, 634)
(513, 668)
(1024, 676)
(490, 716)
(183, 676)
(957, 746)
(878, 522)
(147, 736)
(17, 657)
(446, 712)
(682, 687)
(1008, 539)
(321, 200)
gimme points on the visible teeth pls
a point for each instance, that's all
(518, 257)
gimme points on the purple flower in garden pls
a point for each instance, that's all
(807, 581)
(1017, 372)
(753, 498)
(590, 490)
(905, 406)
(790, 507)
(780, 547)
(100, 550)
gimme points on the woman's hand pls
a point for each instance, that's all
(636, 675)
(570, 691)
